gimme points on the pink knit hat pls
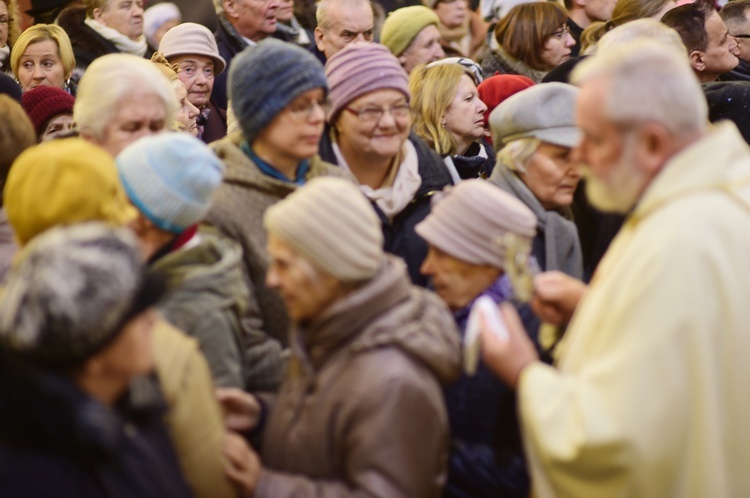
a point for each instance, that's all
(361, 68)
(470, 219)
(44, 103)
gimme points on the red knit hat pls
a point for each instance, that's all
(499, 87)
(44, 103)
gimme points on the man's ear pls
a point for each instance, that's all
(698, 60)
(230, 8)
(97, 15)
(655, 146)
(319, 39)
(579, 3)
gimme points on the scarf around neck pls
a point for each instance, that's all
(122, 42)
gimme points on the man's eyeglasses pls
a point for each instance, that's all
(373, 114)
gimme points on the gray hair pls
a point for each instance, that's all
(642, 28)
(648, 82)
(219, 7)
(516, 154)
(321, 13)
(108, 81)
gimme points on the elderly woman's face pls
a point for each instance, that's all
(125, 16)
(306, 291)
(552, 174)
(464, 118)
(40, 65)
(187, 113)
(57, 125)
(374, 125)
(197, 73)
(139, 114)
(4, 24)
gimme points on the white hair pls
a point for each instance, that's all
(108, 81)
(516, 154)
(649, 81)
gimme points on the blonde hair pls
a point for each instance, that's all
(14, 26)
(42, 32)
(432, 91)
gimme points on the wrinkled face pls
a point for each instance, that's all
(57, 125)
(4, 24)
(456, 282)
(552, 175)
(187, 113)
(130, 353)
(306, 291)
(452, 13)
(197, 74)
(557, 47)
(721, 52)
(40, 65)
(344, 24)
(365, 128)
(464, 118)
(125, 16)
(285, 10)
(599, 10)
(254, 19)
(294, 134)
(423, 49)
(613, 180)
(138, 114)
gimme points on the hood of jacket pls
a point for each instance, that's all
(387, 311)
(210, 270)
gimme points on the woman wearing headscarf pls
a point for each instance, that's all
(369, 136)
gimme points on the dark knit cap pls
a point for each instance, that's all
(265, 78)
(44, 103)
(9, 87)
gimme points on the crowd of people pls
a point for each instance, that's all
(248, 252)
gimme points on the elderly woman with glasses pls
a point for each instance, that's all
(369, 136)
(9, 31)
(281, 114)
(530, 40)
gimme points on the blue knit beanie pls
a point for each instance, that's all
(265, 78)
(170, 178)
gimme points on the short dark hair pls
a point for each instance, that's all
(690, 23)
(733, 13)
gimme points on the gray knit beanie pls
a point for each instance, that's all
(265, 78)
(170, 178)
(332, 225)
(470, 219)
(71, 293)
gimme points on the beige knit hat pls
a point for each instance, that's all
(469, 221)
(332, 225)
(404, 24)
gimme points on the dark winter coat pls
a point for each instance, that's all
(230, 43)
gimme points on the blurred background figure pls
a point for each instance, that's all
(47, 11)
(50, 110)
(412, 35)
(531, 40)
(43, 55)
(9, 31)
(157, 20)
(449, 117)
(736, 16)
(462, 30)
(122, 98)
(78, 365)
(288, 27)
(369, 136)
(187, 113)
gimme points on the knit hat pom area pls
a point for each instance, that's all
(265, 78)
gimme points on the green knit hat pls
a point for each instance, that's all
(403, 25)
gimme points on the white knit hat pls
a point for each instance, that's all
(469, 220)
(155, 16)
(170, 178)
(333, 226)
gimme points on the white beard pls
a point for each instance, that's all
(618, 192)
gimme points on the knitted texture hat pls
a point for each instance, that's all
(155, 16)
(403, 25)
(499, 87)
(265, 78)
(470, 219)
(170, 178)
(190, 38)
(44, 103)
(545, 112)
(62, 182)
(72, 292)
(359, 69)
(330, 223)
